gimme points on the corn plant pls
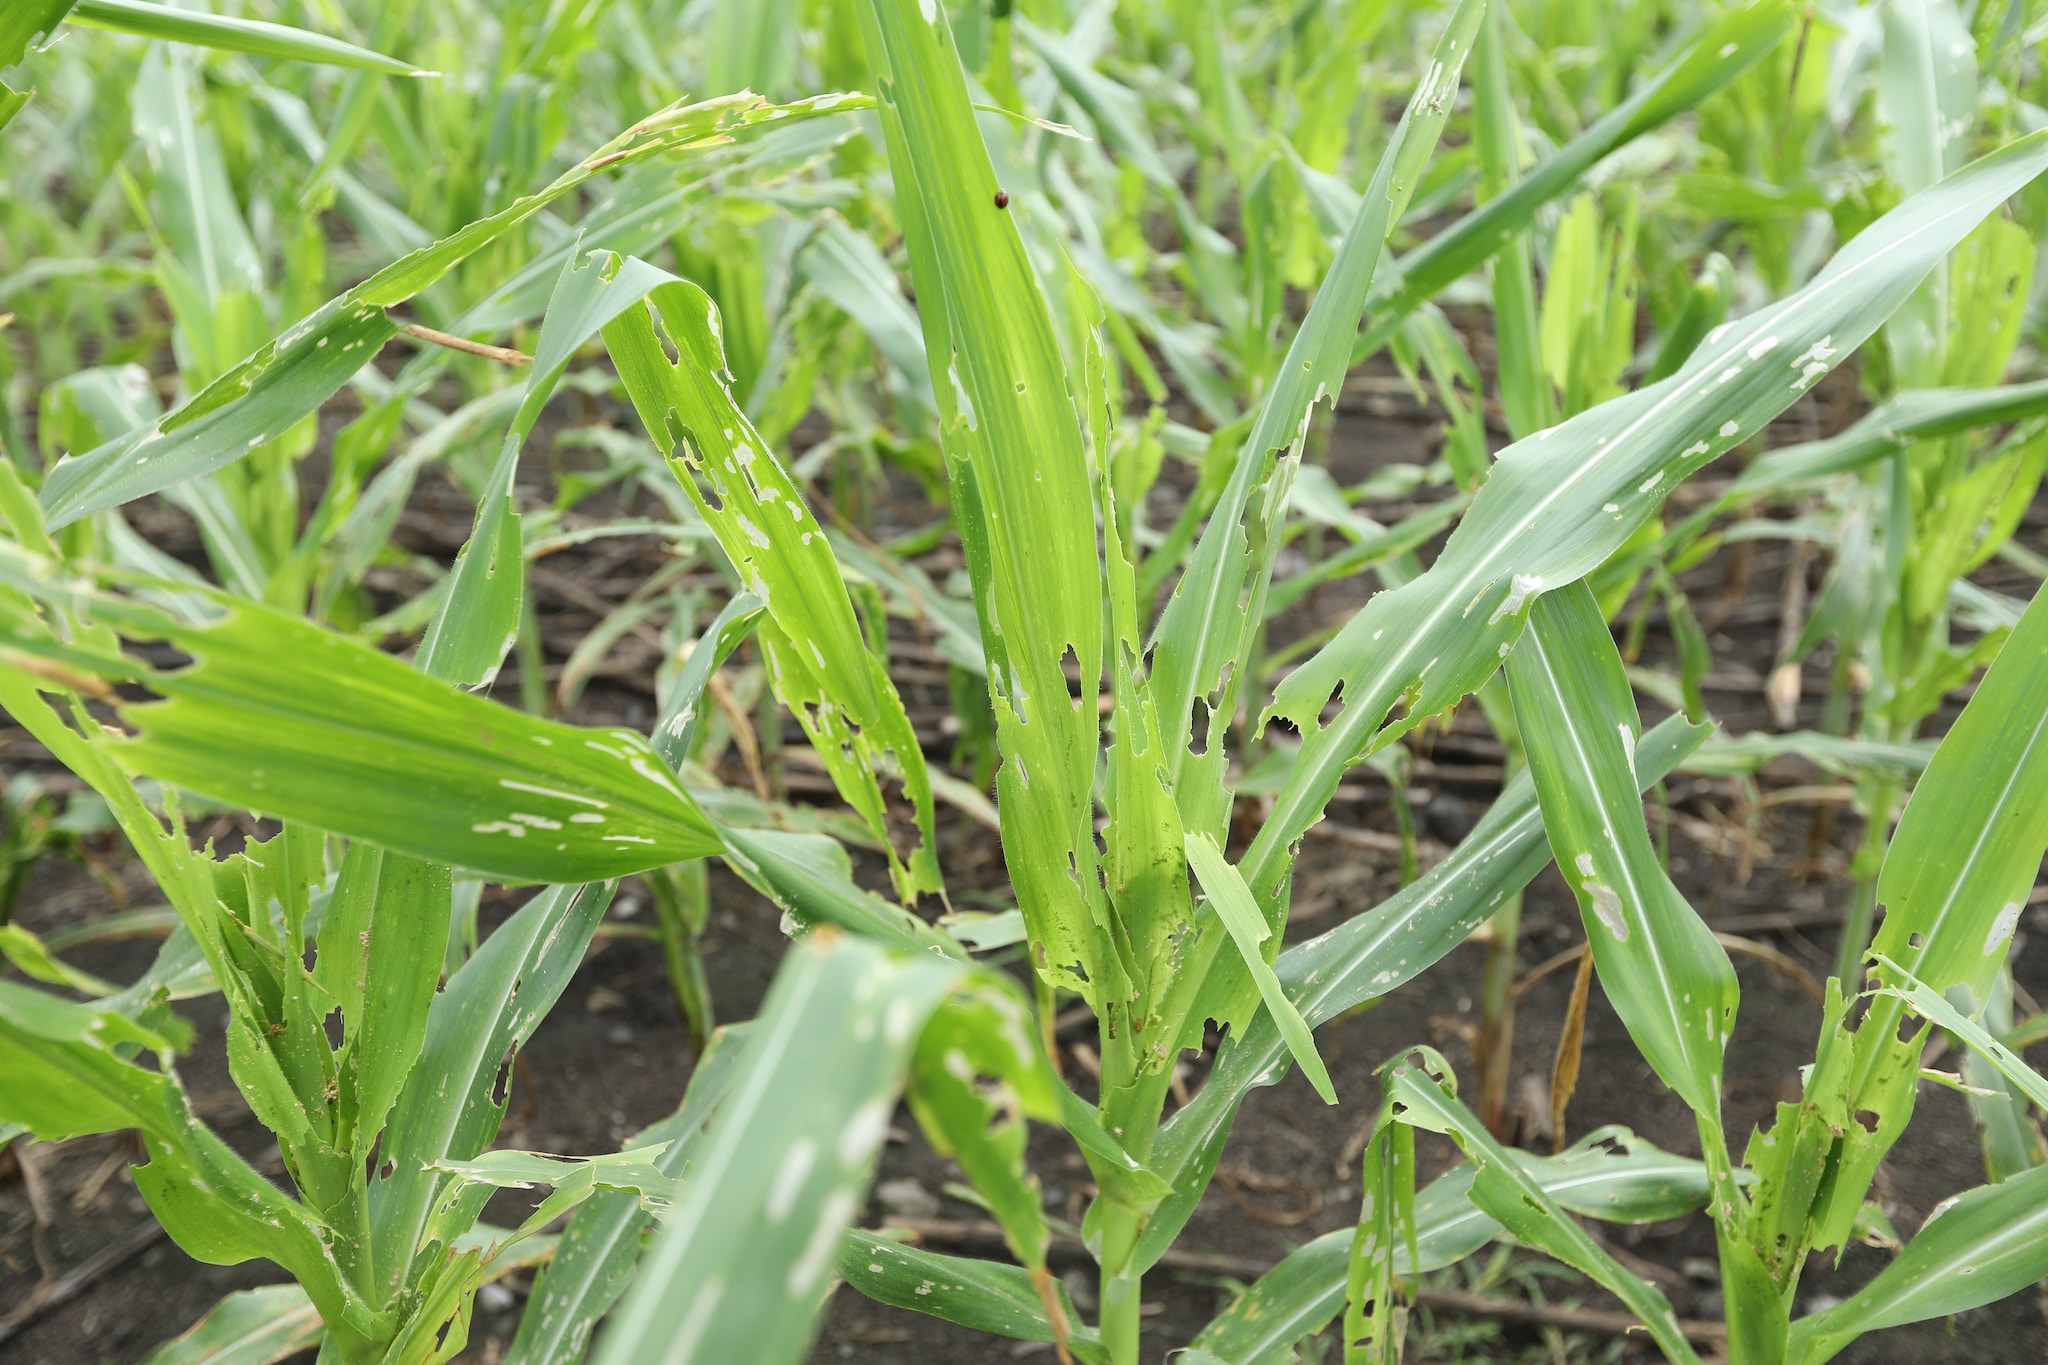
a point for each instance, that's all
(1966, 849)
(391, 778)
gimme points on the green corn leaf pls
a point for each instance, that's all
(1019, 475)
(1366, 957)
(248, 1327)
(1970, 841)
(984, 1295)
(1728, 47)
(1900, 984)
(256, 37)
(1609, 1174)
(573, 1179)
(978, 1073)
(1497, 138)
(596, 1256)
(851, 271)
(60, 1076)
(479, 615)
(31, 22)
(1991, 1242)
(291, 376)
(1668, 977)
(1424, 1088)
(1205, 634)
(746, 1257)
(451, 1109)
(817, 659)
(1234, 905)
(1558, 504)
(1893, 425)
(1375, 1329)
(1926, 91)
(379, 958)
(675, 734)
(33, 959)
(357, 742)
(810, 878)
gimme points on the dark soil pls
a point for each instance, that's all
(614, 1055)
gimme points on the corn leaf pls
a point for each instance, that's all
(1970, 841)
(479, 615)
(248, 1327)
(596, 1256)
(1991, 1242)
(227, 33)
(1019, 474)
(1558, 504)
(452, 1108)
(817, 659)
(1609, 1174)
(355, 741)
(1900, 984)
(1366, 957)
(1234, 905)
(1890, 427)
(1206, 632)
(746, 1257)
(987, 1296)
(1660, 965)
(1728, 47)
(294, 374)
(60, 1076)
(1428, 1096)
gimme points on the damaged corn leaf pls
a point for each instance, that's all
(1558, 504)
(278, 715)
(291, 376)
(817, 659)
(1021, 491)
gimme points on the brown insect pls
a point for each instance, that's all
(1002, 199)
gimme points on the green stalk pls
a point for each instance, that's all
(1121, 1293)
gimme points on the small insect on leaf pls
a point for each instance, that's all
(1002, 199)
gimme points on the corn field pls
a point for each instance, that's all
(1239, 681)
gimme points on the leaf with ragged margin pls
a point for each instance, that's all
(1542, 518)
(1019, 474)
(818, 661)
(1203, 640)
(291, 376)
